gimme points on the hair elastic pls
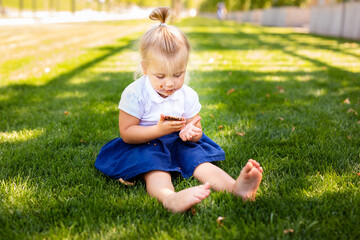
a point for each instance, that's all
(163, 25)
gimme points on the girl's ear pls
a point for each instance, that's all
(143, 67)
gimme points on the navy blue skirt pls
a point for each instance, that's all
(169, 153)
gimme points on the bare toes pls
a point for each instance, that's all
(255, 163)
(248, 167)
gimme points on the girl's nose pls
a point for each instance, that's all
(169, 83)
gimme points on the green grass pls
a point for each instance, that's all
(289, 100)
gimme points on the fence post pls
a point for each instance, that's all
(342, 25)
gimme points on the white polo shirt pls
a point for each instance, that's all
(140, 100)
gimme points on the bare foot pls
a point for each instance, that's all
(248, 182)
(185, 199)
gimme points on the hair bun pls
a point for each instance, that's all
(160, 14)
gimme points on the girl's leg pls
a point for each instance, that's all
(244, 186)
(159, 185)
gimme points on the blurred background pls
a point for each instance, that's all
(340, 18)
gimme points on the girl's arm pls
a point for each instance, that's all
(132, 133)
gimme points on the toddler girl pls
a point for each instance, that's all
(152, 146)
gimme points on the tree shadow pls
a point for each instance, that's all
(238, 37)
(45, 97)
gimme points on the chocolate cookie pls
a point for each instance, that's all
(171, 118)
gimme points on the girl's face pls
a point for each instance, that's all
(165, 80)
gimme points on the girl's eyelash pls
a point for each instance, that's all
(161, 77)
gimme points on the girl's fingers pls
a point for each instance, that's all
(196, 129)
(196, 120)
(162, 118)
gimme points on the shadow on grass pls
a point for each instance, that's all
(309, 128)
(44, 97)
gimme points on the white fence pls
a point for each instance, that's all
(286, 17)
(339, 20)
(279, 17)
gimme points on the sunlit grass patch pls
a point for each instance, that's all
(16, 194)
(330, 182)
(20, 136)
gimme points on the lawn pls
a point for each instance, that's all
(290, 100)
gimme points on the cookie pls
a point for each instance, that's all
(171, 118)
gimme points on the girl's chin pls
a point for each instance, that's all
(166, 94)
(163, 95)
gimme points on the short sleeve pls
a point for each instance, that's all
(192, 104)
(130, 103)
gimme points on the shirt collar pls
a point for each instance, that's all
(155, 97)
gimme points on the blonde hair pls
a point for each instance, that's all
(165, 41)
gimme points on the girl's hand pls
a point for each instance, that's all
(190, 130)
(168, 127)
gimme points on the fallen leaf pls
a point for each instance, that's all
(230, 91)
(193, 211)
(82, 140)
(358, 173)
(281, 89)
(220, 220)
(220, 127)
(286, 231)
(293, 128)
(352, 111)
(66, 112)
(346, 101)
(126, 183)
(240, 133)
(282, 119)
(212, 116)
